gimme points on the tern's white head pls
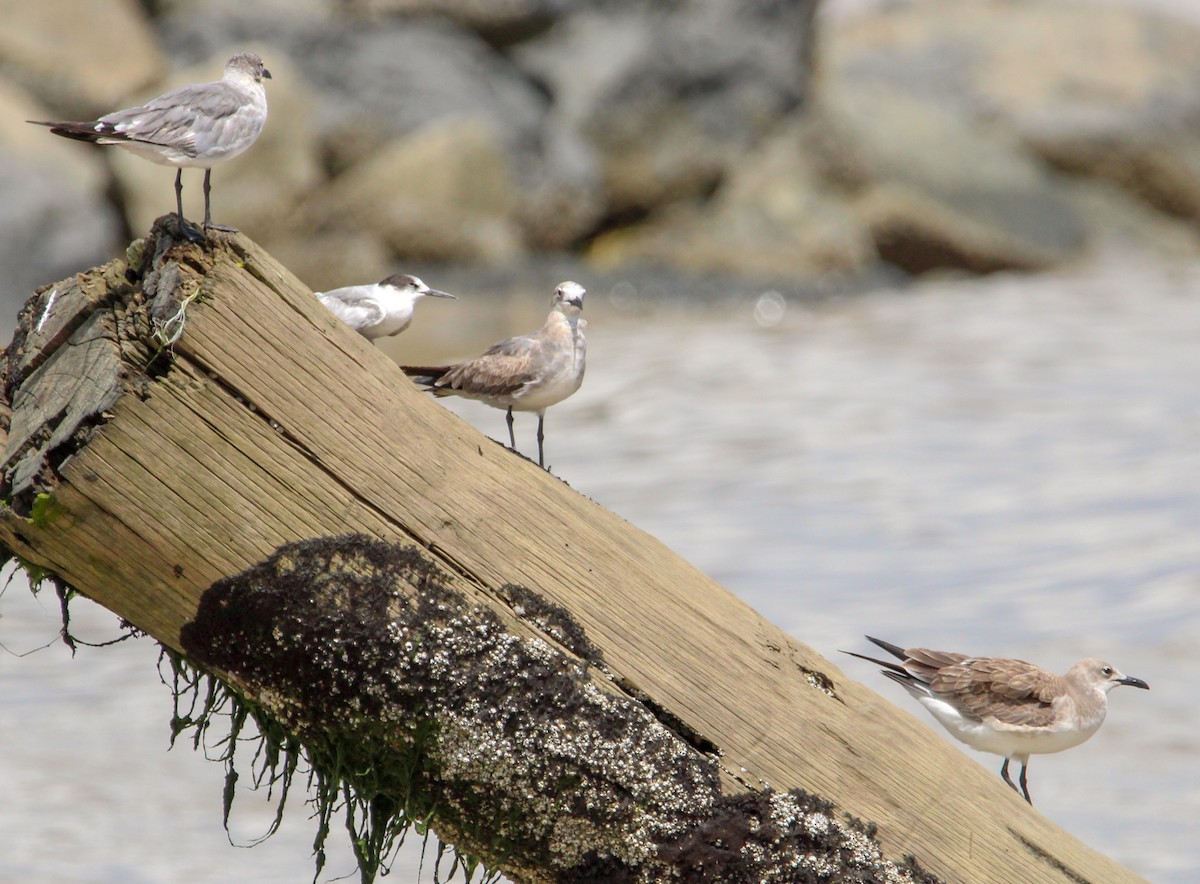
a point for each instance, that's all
(412, 287)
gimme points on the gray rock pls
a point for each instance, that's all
(62, 51)
(500, 22)
(865, 174)
(384, 81)
(50, 228)
(937, 190)
(55, 218)
(447, 192)
(1096, 90)
(775, 218)
(192, 31)
(672, 94)
(335, 258)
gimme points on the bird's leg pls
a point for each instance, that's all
(512, 440)
(185, 230)
(1024, 784)
(208, 225)
(1004, 774)
(541, 437)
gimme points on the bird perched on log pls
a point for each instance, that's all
(194, 126)
(1006, 707)
(382, 309)
(526, 373)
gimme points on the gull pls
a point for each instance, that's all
(382, 309)
(1006, 707)
(194, 126)
(526, 373)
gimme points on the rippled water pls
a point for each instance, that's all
(1008, 466)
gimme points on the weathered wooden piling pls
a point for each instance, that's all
(195, 443)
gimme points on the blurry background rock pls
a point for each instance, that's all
(745, 138)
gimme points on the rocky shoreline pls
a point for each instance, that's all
(739, 139)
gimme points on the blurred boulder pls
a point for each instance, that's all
(1103, 91)
(81, 59)
(937, 190)
(500, 22)
(408, 74)
(336, 258)
(864, 174)
(672, 94)
(55, 218)
(446, 192)
(382, 81)
(774, 218)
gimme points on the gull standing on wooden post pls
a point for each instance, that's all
(1006, 707)
(526, 373)
(382, 309)
(194, 126)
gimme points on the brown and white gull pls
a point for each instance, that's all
(1006, 707)
(526, 373)
(195, 126)
(382, 309)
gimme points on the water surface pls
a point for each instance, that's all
(1008, 466)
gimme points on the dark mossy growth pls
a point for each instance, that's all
(786, 836)
(552, 619)
(40, 577)
(218, 716)
(419, 708)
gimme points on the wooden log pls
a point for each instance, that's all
(269, 495)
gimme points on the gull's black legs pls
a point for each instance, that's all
(1024, 790)
(185, 230)
(179, 196)
(541, 437)
(208, 225)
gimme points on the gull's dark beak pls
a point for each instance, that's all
(434, 293)
(1133, 682)
(267, 74)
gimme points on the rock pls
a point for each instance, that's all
(79, 58)
(54, 217)
(1118, 222)
(253, 192)
(867, 173)
(560, 196)
(672, 95)
(193, 31)
(335, 258)
(937, 190)
(407, 74)
(446, 192)
(1096, 90)
(500, 22)
(775, 218)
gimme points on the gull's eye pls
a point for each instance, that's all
(1107, 671)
